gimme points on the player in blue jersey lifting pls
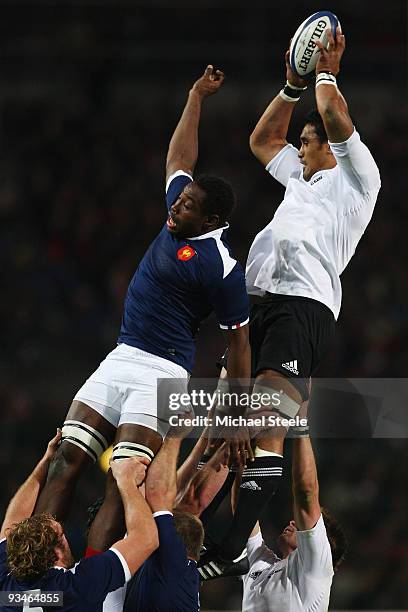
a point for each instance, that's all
(187, 272)
(36, 564)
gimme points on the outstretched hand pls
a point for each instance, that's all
(210, 82)
(329, 59)
(53, 445)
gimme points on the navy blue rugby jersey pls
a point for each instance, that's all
(177, 284)
(84, 587)
(168, 581)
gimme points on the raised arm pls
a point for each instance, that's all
(206, 482)
(239, 374)
(161, 481)
(269, 135)
(330, 102)
(23, 503)
(183, 147)
(305, 485)
(142, 538)
(188, 469)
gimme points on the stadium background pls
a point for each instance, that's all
(90, 92)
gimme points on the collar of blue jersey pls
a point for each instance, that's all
(213, 234)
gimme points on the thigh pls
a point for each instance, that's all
(83, 413)
(322, 334)
(156, 391)
(134, 439)
(286, 346)
(100, 391)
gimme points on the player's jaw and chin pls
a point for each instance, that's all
(287, 540)
(178, 228)
(185, 228)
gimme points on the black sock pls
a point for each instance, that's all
(260, 482)
(213, 506)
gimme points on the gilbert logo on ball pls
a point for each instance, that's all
(185, 253)
(303, 52)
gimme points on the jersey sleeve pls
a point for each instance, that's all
(96, 576)
(171, 554)
(175, 185)
(357, 164)
(314, 551)
(229, 298)
(284, 164)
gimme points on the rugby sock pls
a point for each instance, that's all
(260, 481)
(212, 508)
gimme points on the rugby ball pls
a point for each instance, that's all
(303, 52)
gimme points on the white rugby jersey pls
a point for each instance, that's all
(299, 583)
(316, 228)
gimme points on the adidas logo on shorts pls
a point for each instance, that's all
(291, 366)
(251, 484)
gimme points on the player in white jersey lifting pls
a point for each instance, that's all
(294, 264)
(298, 577)
(310, 549)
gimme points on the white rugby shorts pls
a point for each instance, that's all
(124, 389)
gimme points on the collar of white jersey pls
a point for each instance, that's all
(214, 234)
(322, 171)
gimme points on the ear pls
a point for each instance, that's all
(60, 555)
(328, 149)
(212, 223)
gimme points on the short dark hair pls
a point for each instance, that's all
(313, 118)
(337, 538)
(191, 531)
(31, 547)
(219, 196)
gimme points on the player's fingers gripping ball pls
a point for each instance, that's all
(304, 51)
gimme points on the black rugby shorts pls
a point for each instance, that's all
(290, 335)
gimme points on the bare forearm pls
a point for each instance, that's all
(334, 112)
(142, 538)
(202, 489)
(183, 147)
(239, 354)
(189, 468)
(161, 487)
(305, 485)
(304, 472)
(239, 362)
(138, 516)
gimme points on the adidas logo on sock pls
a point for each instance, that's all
(251, 484)
(291, 366)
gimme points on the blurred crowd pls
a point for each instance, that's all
(81, 198)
